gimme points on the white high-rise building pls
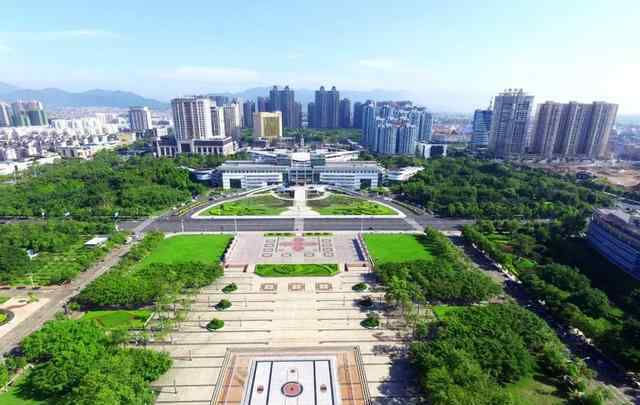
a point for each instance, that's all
(510, 123)
(139, 118)
(217, 122)
(192, 118)
(232, 119)
(407, 138)
(5, 115)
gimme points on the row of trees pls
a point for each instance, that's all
(566, 291)
(106, 185)
(79, 363)
(475, 350)
(58, 245)
(131, 285)
(469, 356)
(472, 188)
(447, 277)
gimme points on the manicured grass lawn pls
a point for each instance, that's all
(119, 319)
(442, 311)
(3, 299)
(189, 248)
(12, 397)
(396, 248)
(260, 205)
(337, 204)
(296, 270)
(532, 391)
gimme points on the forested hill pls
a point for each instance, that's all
(100, 187)
(472, 188)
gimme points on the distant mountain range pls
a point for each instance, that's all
(123, 99)
(93, 98)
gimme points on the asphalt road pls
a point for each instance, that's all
(184, 223)
(58, 298)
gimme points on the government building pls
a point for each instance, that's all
(616, 235)
(300, 168)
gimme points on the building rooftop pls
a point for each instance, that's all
(621, 219)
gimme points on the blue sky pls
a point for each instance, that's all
(448, 54)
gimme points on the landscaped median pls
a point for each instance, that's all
(337, 204)
(296, 270)
(267, 205)
(260, 205)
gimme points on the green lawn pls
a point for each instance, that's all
(296, 270)
(12, 396)
(3, 299)
(337, 204)
(189, 248)
(259, 205)
(396, 248)
(119, 319)
(532, 391)
(442, 311)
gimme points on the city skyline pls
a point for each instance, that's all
(78, 49)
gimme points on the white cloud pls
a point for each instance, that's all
(382, 64)
(214, 74)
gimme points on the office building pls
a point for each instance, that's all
(5, 115)
(573, 129)
(248, 108)
(220, 100)
(267, 125)
(425, 127)
(548, 124)
(429, 150)
(296, 168)
(311, 110)
(297, 113)
(481, 127)
(386, 138)
(369, 126)
(262, 105)
(401, 174)
(406, 139)
(284, 101)
(510, 123)
(232, 120)
(192, 118)
(218, 125)
(344, 115)
(327, 106)
(139, 119)
(199, 128)
(616, 235)
(357, 114)
(594, 144)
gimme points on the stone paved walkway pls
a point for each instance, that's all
(282, 313)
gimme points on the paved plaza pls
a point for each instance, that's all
(280, 319)
(255, 248)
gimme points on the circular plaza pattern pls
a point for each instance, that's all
(291, 389)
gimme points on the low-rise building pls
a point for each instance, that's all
(289, 168)
(429, 150)
(170, 146)
(616, 235)
(403, 173)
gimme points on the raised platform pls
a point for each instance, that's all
(310, 376)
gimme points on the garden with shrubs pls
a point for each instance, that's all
(94, 358)
(471, 344)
